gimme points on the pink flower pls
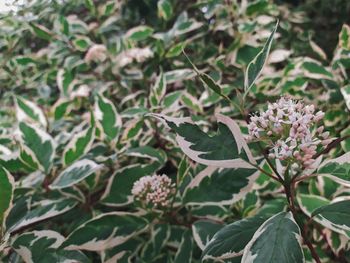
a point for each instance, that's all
(154, 191)
(290, 127)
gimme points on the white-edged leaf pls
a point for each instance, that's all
(230, 240)
(158, 90)
(107, 119)
(105, 231)
(44, 210)
(273, 239)
(43, 246)
(139, 33)
(79, 145)
(7, 186)
(346, 94)
(29, 112)
(203, 230)
(337, 169)
(37, 147)
(215, 186)
(226, 149)
(255, 67)
(184, 252)
(75, 173)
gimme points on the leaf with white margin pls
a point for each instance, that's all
(118, 190)
(75, 173)
(337, 169)
(139, 33)
(148, 152)
(346, 94)
(203, 230)
(79, 145)
(105, 231)
(28, 111)
(337, 214)
(309, 203)
(43, 246)
(256, 65)
(64, 79)
(37, 147)
(107, 119)
(7, 186)
(216, 186)
(158, 90)
(44, 210)
(273, 239)
(226, 149)
(230, 241)
(184, 252)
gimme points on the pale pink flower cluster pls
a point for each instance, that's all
(154, 191)
(290, 127)
(97, 53)
(134, 54)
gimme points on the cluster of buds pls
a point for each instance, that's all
(291, 129)
(134, 54)
(154, 191)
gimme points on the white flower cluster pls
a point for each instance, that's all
(97, 53)
(290, 127)
(154, 191)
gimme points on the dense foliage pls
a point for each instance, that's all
(108, 148)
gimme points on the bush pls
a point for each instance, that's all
(108, 148)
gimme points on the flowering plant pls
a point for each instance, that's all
(175, 131)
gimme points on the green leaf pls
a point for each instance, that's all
(214, 186)
(210, 150)
(337, 169)
(314, 70)
(207, 80)
(43, 246)
(158, 90)
(346, 94)
(344, 37)
(230, 241)
(105, 231)
(37, 147)
(184, 252)
(337, 214)
(75, 173)
(256, 65)
(44, 210)
(7, 185)
(118, 191)
(203, 230)
(165, 9)
(139, 33)
(148, 152)
(82, 43)
(41, 31)
(79, 145)
(108, 120)
(28, 111)
(273, 239)
(64, 79)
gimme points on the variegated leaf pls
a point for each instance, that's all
(184, 252)
(337, 169)
(273, 238)
(75, 173)
(158, 90)
(226, 149)
(148, 152)
(79, 145)
(27, 111)
(105, 231)
(44, 210)
(7, 185)
(335, 214)
(230, 241)
(215, 186)
(37, 147)
(346, 94)
(107, 119)
(139, 33)
(203, 230)
(44, 246)
(256, 65)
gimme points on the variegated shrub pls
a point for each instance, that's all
(174, 131)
